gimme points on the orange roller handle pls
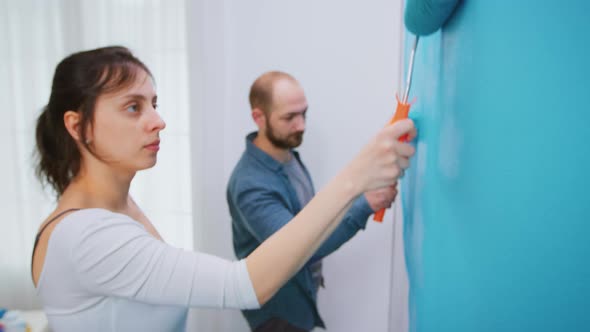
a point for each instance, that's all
(401, 112)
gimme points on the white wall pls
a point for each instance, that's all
(347, 57)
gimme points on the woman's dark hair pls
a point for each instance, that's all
(78, 81)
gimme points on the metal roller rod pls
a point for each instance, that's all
(410, 71)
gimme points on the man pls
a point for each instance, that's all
(270, 185)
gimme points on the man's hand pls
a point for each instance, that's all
(381, 198)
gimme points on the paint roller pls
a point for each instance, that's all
(422, 17)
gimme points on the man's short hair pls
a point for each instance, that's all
(262, 89)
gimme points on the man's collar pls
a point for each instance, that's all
(264, 157)
(260, 155)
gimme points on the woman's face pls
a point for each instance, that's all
(126, 127)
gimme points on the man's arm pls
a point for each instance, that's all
(263, 210)
(356, 219)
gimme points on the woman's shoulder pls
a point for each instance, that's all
(95, 230)
(94, 214)
(91, 219)
(71, 231)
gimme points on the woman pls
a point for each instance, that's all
(99, 264)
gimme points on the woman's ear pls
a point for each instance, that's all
(72, 121)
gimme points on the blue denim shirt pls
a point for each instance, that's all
(261, 201)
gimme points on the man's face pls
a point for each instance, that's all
(285, 123)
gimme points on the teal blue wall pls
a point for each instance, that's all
(497, 203)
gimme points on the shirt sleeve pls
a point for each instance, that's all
(353, 221)
(265, 212)
(116, 256)
(263, 209)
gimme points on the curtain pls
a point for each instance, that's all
(35, 36)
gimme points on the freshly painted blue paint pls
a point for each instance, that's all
(496, 204)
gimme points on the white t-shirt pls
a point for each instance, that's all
(104, 272)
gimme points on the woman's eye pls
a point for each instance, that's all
(133, 108)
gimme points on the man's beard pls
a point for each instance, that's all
(289, 142)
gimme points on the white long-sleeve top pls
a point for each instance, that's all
(104, 272)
